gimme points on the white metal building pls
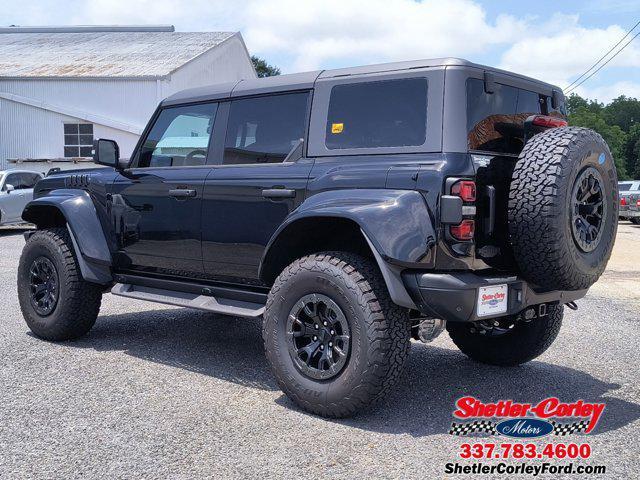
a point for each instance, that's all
(61, 87)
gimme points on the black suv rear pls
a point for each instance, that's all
(352, 209)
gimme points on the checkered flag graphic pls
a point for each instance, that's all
(563, 429)
(484, 426)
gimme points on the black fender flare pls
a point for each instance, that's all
(87, 235)
(396, 224)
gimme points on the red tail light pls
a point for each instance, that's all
(464, 231)
(549, 122)
(623, 202)
(465, 189)
(638, 203)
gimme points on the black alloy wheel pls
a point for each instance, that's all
(44, 286)
(318, 337)
(589, 209)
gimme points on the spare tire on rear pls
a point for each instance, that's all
(563, 209)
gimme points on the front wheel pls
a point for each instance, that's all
(334, 339)
(510, 342)
(56, 302)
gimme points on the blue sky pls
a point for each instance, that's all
(551, 40)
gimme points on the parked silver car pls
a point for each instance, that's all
(16, 190)
(629, 194)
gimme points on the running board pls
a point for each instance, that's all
(224, 306)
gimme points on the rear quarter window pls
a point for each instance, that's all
(388, 113)
(495, 121)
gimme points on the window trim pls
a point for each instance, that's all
(219, 158)
(135, 155)
(322, 96)
(543, 111)
(426, 109)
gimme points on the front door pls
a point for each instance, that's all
(13, 202)
(156, 205)
(249, 195)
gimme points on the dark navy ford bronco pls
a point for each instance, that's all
(350, 209)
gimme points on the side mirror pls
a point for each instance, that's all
(9, 188)
(106, 152)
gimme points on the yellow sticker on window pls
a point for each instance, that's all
(337, 127)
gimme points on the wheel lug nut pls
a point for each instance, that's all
(321, 347)
(316, 326)
(333, 332)
(315, 338)
(331, 344)
(325, 323)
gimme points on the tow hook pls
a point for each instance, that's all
(572, 305)
(428, 329)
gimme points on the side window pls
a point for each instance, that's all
(265, 129)
(14, 180)
(388, 113)
(495, 122)
(179, 137)
(29, 180)
(21, 180)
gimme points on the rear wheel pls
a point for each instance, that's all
(511, 342)
(56, 302)
(635, 221)
(335, 340)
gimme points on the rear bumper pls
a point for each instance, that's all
(631, 214)
(454, 296)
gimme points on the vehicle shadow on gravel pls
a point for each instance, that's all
(436, 377)
(422, 404)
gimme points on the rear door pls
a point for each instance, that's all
(155, 206)
(252, 190)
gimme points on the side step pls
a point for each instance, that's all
(224, 306)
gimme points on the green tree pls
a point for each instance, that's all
(263, 69)
(615, 137)
(575, 103)
(624, 112)
(632, 151)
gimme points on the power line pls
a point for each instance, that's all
(604, 56)
(608, 60)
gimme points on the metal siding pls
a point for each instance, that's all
(32, 132)
(36, 130)
(102, 54)
(228, 62)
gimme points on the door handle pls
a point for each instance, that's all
(278, 193)
(182, 193)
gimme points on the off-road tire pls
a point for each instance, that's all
(635, 221)
(540, 206)
(380, 333)
(78, 301)
(524, 342)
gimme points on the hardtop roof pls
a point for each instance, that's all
(306, 80)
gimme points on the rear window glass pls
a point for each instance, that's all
(388, 113)
(623, 187)
(495, 122)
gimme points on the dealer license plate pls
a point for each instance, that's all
(492, 301)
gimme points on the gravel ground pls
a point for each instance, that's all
(158, 392)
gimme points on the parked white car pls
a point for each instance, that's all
(16, 190)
